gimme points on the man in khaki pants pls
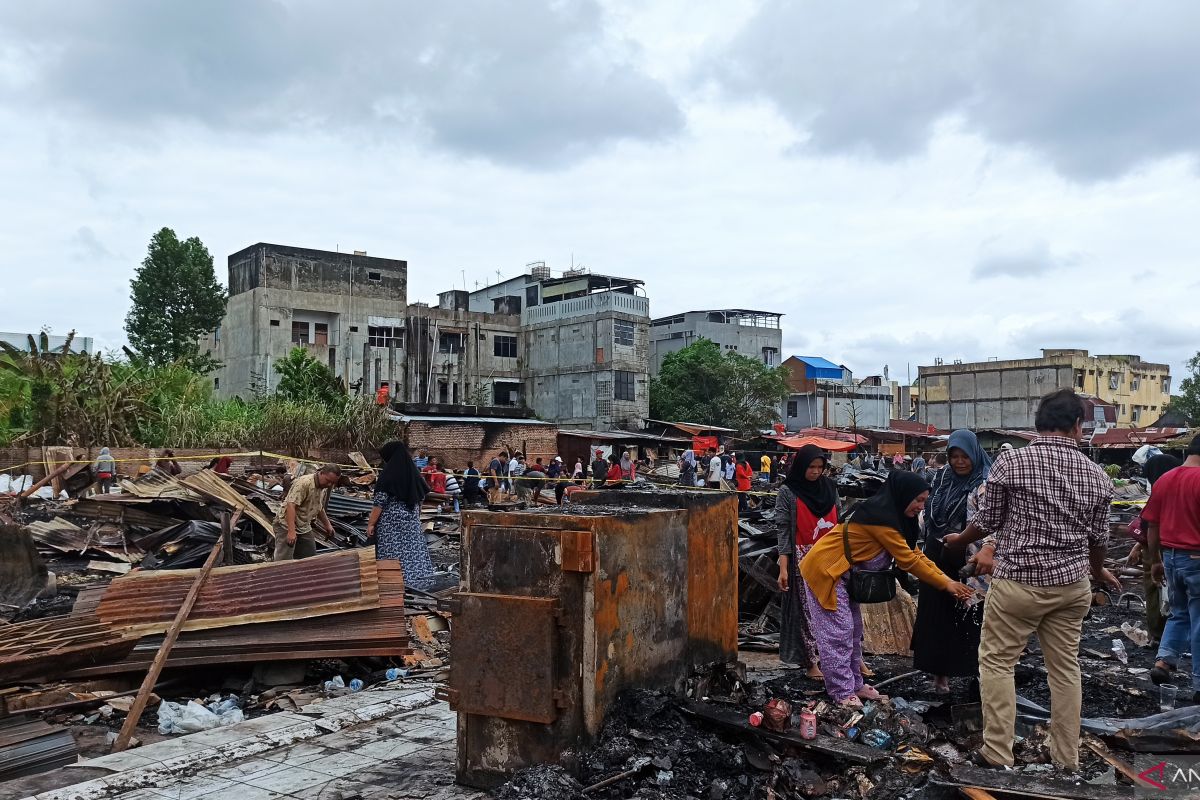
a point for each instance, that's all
(1045, 511)
(304, 504)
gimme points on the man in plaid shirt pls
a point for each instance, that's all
(1045, 510)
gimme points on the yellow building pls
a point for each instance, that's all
(1005, 394)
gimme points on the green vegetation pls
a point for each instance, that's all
(1187, 402)
(175, 299)
(703, 385)
(58, 397)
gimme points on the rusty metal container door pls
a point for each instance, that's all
(517, 641)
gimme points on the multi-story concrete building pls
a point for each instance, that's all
(572, 348)
(751, 333)
(462, 357)
(584, 345)
(826, 395)
(346, 309)
(1005, 394)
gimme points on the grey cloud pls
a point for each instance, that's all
(87, 246)
(533, 83)
(1096, 87)
(1027, 262)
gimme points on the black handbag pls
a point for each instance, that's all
(868, 585)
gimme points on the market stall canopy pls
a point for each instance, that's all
(796, 442)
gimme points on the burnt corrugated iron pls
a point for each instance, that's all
(43, 646)
(30, 746)
(378, 631)
(311, 587)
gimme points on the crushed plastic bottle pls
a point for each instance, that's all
(1118, 648)
(335, 684)
(876, 738)
(395, 673)
(356, 685)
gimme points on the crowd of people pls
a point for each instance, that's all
(1003, 547)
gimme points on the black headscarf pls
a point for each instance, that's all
(820, 495)
(1160, 465)
(888, 505)
(400, 479)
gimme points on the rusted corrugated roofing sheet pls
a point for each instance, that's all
(1135, 437)
(146, 602)
(48, 645)
(378, 631)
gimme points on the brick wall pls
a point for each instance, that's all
(455, 443)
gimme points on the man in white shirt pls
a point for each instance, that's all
(714, 469)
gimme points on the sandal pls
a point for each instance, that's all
(851, 702)
(868, 692)
(814, 672)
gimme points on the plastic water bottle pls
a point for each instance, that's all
(336, 683)
(1118, 649)
(395, 673)
(356, 685)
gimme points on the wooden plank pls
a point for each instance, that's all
(975, 793)
(837, 749)
(164, 650)
(1117, 764)
(1017, 783)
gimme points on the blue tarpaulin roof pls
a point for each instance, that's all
(817, 367)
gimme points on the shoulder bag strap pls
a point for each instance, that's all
(846, 541)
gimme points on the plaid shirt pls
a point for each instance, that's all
(1045, 505)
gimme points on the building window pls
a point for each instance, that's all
(383, 336)
(1137, 414)
(274, 323)
(623, 332)
(443, 392)
(531, 296)
(504, 346)
(1114, 380)
(793, 408)
(321, 334)
(217, 335)
(1166, 386)
(1078, 379)
(354, 329)
(1134, 383)
(454, 393)
(299, 333)
(623, 388)
(505, 394)
(216, 383)
(374, 277)
(450, 343)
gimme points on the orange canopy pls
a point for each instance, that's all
(833, 445)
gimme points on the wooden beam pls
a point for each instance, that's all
(164, 650)
(975, 793)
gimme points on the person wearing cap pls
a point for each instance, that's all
(555, 473)
(599, 468)
(304, 503)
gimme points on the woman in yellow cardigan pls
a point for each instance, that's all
(879, 530)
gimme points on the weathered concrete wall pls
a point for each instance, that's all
(454, 443)
(745, 340)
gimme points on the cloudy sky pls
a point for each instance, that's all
(904, 180)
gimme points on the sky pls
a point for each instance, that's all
(903, 181)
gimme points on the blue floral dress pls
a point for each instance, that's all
(398, 537)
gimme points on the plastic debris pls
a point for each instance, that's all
(194, 716)
(1118, 648)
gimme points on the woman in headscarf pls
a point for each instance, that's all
(395, 518)
(687, 468)
(1156, 621)
(628, 470)
(879, 530)
(106, 469)
(945, 640)
(806, 507)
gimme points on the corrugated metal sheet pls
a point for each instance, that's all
(329, 584)
(46, 645)
(378, 631)
(30, 746)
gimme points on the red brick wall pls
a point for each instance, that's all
(456, 443)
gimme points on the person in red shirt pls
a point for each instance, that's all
(615, 474)
(1172, 520)
(807, 507)
(383, 395)
(743, 476)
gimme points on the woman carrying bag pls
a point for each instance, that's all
(853, 564)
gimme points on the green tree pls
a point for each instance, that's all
(303, 379)
(1187, 402)
(703, 385)
(175, 300)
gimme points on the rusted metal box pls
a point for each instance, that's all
(561, 612)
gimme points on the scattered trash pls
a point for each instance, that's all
(195, 716)
(1136, 635)
(1118, 648)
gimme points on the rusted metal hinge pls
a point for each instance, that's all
(448, 695)
(577, 554)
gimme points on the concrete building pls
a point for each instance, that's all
(346, 309)
(1005, 394)
(583, 345)
(79, 344)
(826, 395)
(751, 333)
(462, 357)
